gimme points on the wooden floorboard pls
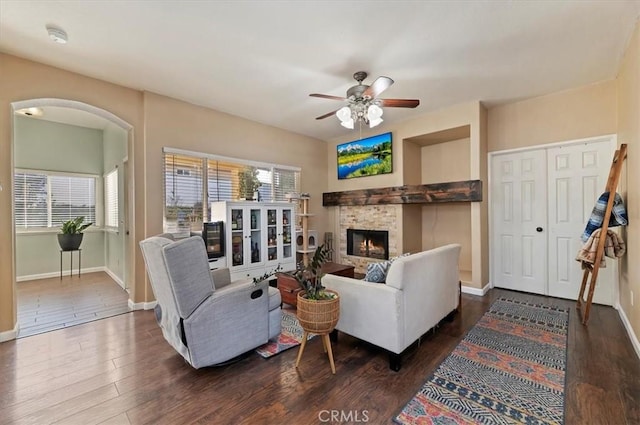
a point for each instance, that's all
(49, 304)
(120, 370)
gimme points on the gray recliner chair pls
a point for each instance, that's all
(203, 315)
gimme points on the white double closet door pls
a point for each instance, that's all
(541, 200)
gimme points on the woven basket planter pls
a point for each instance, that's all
(318, 316)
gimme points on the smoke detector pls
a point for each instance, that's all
(56, 34)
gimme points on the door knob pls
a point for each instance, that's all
(539, 229)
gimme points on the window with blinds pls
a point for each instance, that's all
(183, 193)
(31, 200)
(191, 181)
(111, 199)
(47, 199)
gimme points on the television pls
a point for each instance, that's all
(213, 235)
(365, 157)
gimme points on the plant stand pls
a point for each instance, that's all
(70, 251)
(319, 317)
(326, 344)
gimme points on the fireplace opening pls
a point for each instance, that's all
(368, 243)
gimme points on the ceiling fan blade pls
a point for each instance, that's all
(377, 87)
(321, 117)
(399, 103)
(327, 96)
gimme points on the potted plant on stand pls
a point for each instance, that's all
(71, 234)
(318, 308)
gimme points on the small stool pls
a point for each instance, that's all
(71, 260)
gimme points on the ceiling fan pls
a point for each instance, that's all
(363, 105)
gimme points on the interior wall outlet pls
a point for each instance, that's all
(631, 297)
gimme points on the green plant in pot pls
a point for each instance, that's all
(71, 234)
(248, 182)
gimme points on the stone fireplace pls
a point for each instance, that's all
(379, 217)
(368, 243)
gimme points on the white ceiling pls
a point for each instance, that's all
(261, 59)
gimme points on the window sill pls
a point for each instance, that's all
(55, 230)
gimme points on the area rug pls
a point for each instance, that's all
(509, 368)
(290, 336)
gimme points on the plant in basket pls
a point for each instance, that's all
(310, 278)
(318, 308)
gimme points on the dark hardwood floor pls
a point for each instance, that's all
(121, 371)
(48, 304)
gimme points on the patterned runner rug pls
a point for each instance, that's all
(509, 369)
(290, 336)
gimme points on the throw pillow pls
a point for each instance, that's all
(377, 272)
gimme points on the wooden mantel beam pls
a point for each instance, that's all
(462, 191)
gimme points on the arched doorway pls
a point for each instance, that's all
(70, 159)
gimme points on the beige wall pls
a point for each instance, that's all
(157, 121)
(23, 80)
(176, 124)
(573, 114)
(628, 85)
(450, 222)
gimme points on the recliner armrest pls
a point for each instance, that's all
(244, 285)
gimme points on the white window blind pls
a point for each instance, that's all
(111, 199)
(30, 200)
(47, 199)
(285, 181)
(183, 209)
(72, 197)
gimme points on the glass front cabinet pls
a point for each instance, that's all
(259, 236)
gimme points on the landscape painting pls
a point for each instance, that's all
(365, 157)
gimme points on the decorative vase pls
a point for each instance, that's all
(69, 241)
(318, 316)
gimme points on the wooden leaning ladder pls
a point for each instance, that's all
(612, 184)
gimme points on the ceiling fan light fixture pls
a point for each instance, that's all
(374, 115)
(344, 115)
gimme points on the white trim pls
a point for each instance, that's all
(228, 159)
(632, 336)
(603, 138)
(56, 173)
(141, 306)
(57, 274)
(9, 335)
(113, 276)
(65, 103)
(54, 230)
(475, 291)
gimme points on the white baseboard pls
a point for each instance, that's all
(627, 325)
(115, 277)
(9, 335)
(475, 291)
(142, 306)
(57, 274)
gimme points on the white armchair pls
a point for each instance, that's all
(203, 315)
(420, 290)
